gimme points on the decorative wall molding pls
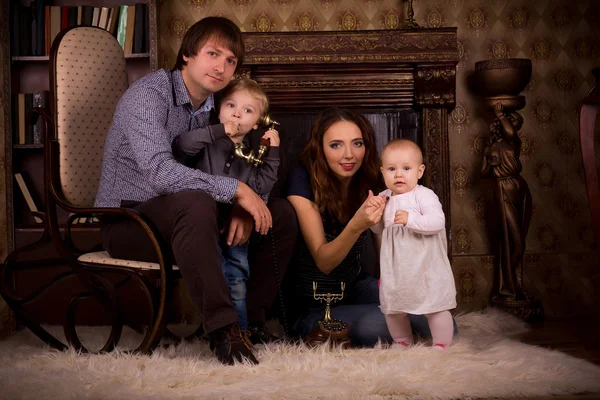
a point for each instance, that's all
(376, 46)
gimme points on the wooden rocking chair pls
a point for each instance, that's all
(87, 78)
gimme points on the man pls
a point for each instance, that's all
(139, 170)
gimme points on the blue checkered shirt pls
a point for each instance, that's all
(138, 161)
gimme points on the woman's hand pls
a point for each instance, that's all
(273, 137)
(370, 212)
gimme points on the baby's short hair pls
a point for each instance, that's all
(395, 143)
(252, 87)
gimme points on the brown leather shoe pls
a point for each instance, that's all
(260, 335)
(231, 344)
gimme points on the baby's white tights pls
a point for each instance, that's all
(440, 324)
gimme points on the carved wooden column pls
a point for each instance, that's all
(435, 92)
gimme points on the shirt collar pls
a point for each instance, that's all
(183, 97)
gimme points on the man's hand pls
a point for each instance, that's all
(240, 226)
(255, 206)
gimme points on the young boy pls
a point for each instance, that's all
(243, 103)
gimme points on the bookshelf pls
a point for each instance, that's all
(26, 70)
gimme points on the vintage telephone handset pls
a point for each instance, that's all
(256, 160)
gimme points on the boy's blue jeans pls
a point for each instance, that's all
(236, 269)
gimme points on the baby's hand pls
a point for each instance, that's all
(273, 137)
(232, 129)
(401, 217)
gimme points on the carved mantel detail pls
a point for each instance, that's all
(375, 46)
(435, 86)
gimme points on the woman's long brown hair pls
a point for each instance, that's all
(325, 184)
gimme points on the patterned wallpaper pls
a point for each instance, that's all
(560, 37)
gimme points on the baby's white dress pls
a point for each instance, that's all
(416, 276)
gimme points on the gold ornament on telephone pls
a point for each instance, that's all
(256, 160)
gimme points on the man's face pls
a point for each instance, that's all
(210, 70)
(243, 109)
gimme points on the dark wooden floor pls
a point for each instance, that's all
(577, 337)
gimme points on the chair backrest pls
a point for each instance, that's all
(590, 154)
(87, 78)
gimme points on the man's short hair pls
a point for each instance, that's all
(220, 29)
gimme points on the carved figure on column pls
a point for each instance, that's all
(500, 82)
(512, 203)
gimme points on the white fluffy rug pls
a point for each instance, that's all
(483, 362)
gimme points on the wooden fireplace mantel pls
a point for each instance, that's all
(377, 70)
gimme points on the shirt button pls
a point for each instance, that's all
(228, 164)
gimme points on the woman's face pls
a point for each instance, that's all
(344, 149)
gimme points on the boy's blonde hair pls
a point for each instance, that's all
(252, 87)
(396, 143)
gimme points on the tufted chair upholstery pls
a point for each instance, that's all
(90, 79)
(87, 78)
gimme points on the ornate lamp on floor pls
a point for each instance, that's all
(500, 82)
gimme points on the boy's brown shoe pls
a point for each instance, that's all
(231, 344)
(260, 335)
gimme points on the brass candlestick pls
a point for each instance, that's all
(410, 14)
(330, 330)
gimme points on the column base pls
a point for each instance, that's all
(529, 310)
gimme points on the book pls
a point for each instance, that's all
(54, 23)
(102, 22)
(96, 16)
(87, 15)
(21, 112)
(40, 28)
(129, 30)
(122, 25)
(28, 124)
(139, 29)
(114, 20)
(27, 195)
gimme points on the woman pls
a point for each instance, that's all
(331, 192)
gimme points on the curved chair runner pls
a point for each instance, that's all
(87, 78)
